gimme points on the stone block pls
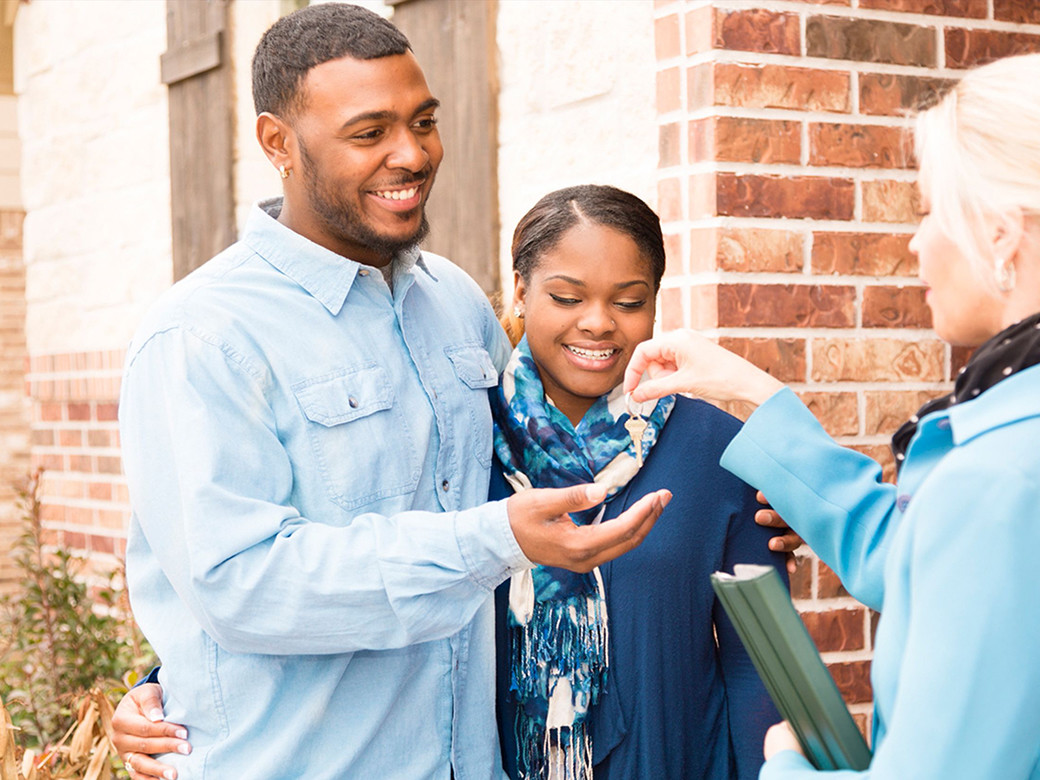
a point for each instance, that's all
(801, 580)
(895, 307)
(786, 305)
(840, 629)
(794, 197)
(669, 201)
(828, 586)
(863, 254)
(870, 40)
(897, 95)
(779, 86)
(668, 151)
(784, 358)
(877, 360)
(972, 9)
(967, 48)
(700, 29)
(886, 410)
(858, 146)
(671, 314)
(853, 679)
(1018, 11)
(838, 413)
(674, 261)
(758, 30)
(666, 37)
(889, 200)
(759, 250)
(744, 139)
(668, 96)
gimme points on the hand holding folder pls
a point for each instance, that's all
(779, 645)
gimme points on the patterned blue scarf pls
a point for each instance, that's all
(558, 618)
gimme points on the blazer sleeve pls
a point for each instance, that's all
(831, 495)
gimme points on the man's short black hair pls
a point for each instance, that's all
(307, 38)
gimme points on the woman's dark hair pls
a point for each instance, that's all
(309, 37)
(545, 224)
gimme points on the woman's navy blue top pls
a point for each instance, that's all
(678, 705)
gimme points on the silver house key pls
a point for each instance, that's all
(636, 427)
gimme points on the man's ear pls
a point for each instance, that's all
(277, 139)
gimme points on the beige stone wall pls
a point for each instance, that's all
(93, 123)
(254, 177)
(95, 169)
(576, 102)
(10, 154)
(14, 406)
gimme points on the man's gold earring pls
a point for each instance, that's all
(285, 173)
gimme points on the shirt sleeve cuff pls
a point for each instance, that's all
(487, 544)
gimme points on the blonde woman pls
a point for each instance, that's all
(949, 553)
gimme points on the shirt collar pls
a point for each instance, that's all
(325, 275)
(1010, 400)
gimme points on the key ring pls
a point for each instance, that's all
(635, 408)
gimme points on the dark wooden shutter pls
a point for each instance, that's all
(454, 41)
(195, 67)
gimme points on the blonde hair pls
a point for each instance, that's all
(979, 151)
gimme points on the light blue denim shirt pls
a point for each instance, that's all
(949, 556)
(309, 553)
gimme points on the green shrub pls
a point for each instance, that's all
(60, 639)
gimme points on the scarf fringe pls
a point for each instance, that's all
(553, 753)
(565, 643)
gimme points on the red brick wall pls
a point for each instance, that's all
(786, 188)
(75, 440)
(14, 412)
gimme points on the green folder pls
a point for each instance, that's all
(793, 672)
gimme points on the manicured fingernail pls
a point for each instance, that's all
(183, 749)
(596, 492)
(155, 715)
(169, 774)
(181, 733)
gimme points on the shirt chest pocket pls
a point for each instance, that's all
(360, 439)
(476, 373)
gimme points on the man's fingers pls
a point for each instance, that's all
(553, 502)
(770, 518)
(786, 542)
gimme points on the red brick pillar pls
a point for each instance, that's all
(14, 407)
(786, 189)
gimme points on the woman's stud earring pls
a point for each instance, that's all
(1005, 275)
(518, 312)
(285, 173)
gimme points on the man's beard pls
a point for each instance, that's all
(344, 221)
